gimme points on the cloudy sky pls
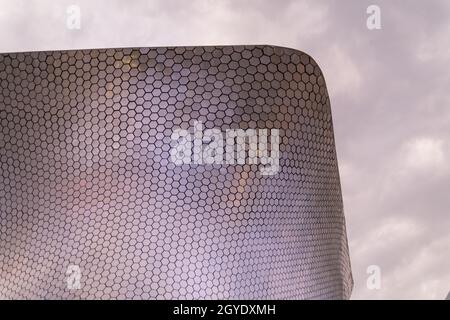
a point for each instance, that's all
(390, 95)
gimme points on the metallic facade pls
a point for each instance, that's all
(86, 178)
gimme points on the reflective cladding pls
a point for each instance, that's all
(86, 178)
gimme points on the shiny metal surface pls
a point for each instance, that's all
(86, 177)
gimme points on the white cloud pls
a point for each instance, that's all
(342, 74)
(425, 153)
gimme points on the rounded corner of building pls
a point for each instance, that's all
(305, 58)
